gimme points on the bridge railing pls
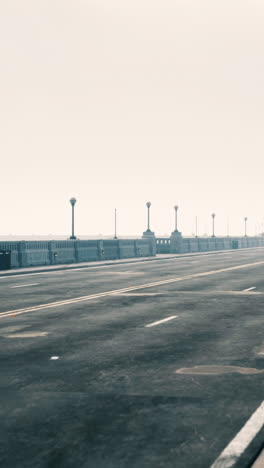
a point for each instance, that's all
(163, 244)
(33, 253)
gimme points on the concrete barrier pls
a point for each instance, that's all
(62, 252)
(193, 245)
(36, 253)
(127, 248)
(110, 249)
(178, 244)
(203, 244)
(87, 250)
(145, 247)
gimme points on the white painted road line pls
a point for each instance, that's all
(249, 289)
(161, 321)
(24, 285)
(132, 288)
(259, 462)
(102, 273)
(109, 272)
(232, 453)
(142, 294)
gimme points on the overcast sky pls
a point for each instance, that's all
(120, 102)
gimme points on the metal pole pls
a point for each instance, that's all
(148, 218)
(245, 227)
(176, 218)
(148, 207)
(213, 217)
(72, 202)
(115, 225)
(72, 220)
(196, 230)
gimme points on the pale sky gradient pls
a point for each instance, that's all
(118, 102)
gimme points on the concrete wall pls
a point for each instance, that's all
(200, 244)
(37, 253)
(88, 250)
(34, 253)
(179, 244)
(127, 249)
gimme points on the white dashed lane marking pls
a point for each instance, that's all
(249, 289)
(24, 285)
(161, 321)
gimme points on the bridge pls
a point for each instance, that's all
(150, 361)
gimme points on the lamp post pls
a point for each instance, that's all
(148, 207)
(176, 218)
(72, 202)
(115, 236)
(245, 219)
(213, 218)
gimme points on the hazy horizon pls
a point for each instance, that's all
(117, 103)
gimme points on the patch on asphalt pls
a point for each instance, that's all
(26, 335)
(214, 370)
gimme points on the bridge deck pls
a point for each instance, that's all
(141, 364)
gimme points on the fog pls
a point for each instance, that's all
(120, 102)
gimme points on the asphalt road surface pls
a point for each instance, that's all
(144, 364)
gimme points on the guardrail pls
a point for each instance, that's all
(33, 253)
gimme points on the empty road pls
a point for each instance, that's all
(158, 363)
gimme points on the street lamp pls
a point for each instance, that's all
(72, 202)
(115, 236)
(148, 207)
(245, 219)
(213, 218)
(176, 218)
